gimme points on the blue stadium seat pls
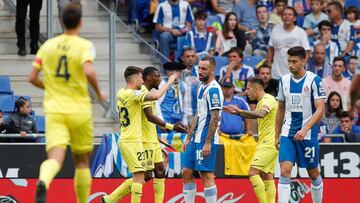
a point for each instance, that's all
(300, 21)
(212, 18)
(7, 103)
(220, 62)
(5, 87)
(40, 123)
(252, 61)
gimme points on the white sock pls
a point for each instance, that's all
(284, 193)
(210, 194)
(317, 193)
(189, 191)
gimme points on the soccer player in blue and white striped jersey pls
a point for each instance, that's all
(301, 103)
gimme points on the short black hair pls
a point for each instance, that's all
(200, 15)
(132, 70)
(293, 10)
(20, 102)
(337, 5)
(260, 6)
(339, 58)
(149, 71)
(236, 50)
(71, 15)
(324, 23)
(297, 51)
(257, 81)
(210, 59)
(345, 114)
(279, 1)
(353, 57)
(264, 65)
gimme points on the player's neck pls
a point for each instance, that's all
(260, 95)
(209, 80)
(72, 32)
(131, 86)
(300, 74)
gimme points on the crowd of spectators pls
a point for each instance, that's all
(327, 30)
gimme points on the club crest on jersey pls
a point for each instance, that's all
(306, 89)
(137, 92)
(215, 99)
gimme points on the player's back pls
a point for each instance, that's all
(129, 104)
(299, 96)
(267, 124)
(66, 86)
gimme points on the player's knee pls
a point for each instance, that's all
(207, 179)
(148, 176)
(314, 173)
(286, 172)
(160, 172)
(186, 173)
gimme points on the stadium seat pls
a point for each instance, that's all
(300, 21)
(7, 103)
(5, 87)
(220, 62)
(40, 123)
(211, 19)
(252, 61)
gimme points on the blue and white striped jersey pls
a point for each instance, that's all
(299, 96)
(210, 97)
(342, 34)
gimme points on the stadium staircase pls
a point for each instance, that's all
(96, 29)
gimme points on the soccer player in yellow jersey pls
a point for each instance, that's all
(129, 101)
(263, 165)
(66, 62)
(151, 145)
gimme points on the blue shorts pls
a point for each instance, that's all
(305, 152)
(193, 158)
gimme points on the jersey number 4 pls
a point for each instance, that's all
(124, 116)
(62, 69)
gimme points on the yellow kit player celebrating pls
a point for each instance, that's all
(129, 101)
(66, 62)
(263, 165)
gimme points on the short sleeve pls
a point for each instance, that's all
(189, 15)
(145, 104)
(317, 89)
(89, 54)
(307, 21)
(159, 15)
(280, 95)
(140, 95)
(213, 99)
(352, 34)
(38, 61)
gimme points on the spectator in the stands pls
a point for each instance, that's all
(20, 122)
(231, 36)
(283, 38)
(222, 7)
(236, 72)
(319, 63)
(34, 27)
(190, 76)
(199, 38)
(245, 11)
(270, 84)
(260, 42)
(301, 7)
(341, 29)
(312, 20)
(333, 109)
(172, 18)
(275, 16)
(351, 67)
(2, 124)
(232, 124)
(170, 106)
(332, 48)
(352, 15)
(348, 128)
(337, 82)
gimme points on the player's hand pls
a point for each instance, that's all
(300, 135)
(23, 133)
(172, 78)
(186, 143)
(231, 109)
(175, 32)
(277, 143)
(180, 128)
(206, 150)
(102, 96)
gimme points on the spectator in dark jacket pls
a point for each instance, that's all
(21, 122)
(2, 125)
(348, 128)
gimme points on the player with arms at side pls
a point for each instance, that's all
(66, 62)
(301, 102)
(129, 101)
(153, 153)
(200, 144)
(355, 91)
(263, 165)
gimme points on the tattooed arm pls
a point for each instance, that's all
(247, 114)
(214, 120)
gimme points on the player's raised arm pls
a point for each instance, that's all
(91, 77)
(155, 95)
(247, 114)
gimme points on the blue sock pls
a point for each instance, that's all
(210, 194)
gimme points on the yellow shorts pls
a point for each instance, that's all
(153, 154)
(74, 129)
(134, 155)
(265, 159)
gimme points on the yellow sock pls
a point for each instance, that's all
(122, 190)
(259, 188)
(136, 192)
(270, 190)
(48, 170)
(159, 189)
(82, 184)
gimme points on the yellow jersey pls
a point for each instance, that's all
(66, 87)
(266, 125)
(129, 103)
(148, 128)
